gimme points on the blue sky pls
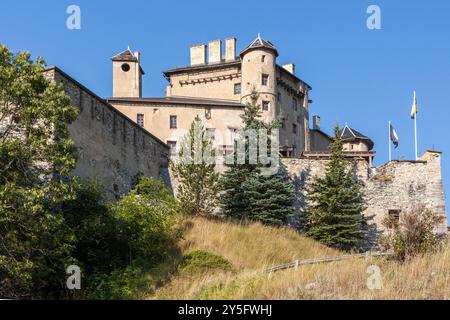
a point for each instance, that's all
(360, 76)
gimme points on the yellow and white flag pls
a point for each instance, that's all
(415, 108)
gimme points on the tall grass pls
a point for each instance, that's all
(253, 247)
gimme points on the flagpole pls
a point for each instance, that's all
(415, 128)
(415, 135)
(389, 142)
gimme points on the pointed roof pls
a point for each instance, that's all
(259, 43)
(126, 55)
(349, 134)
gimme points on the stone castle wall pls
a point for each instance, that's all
(398, 185)
(110, 146)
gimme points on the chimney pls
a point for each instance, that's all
(289, 67)
(198, 54)
(316, 123)
(230, 49)
(215, 51)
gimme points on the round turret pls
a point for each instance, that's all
(258, 72)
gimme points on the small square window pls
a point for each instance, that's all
(237, 88)
(211, 133)
(265, 79)
(263, 58)
(173, 122)
(393, 218)
(208, 113)
(140, 119)
(265, 105)
(173, 147)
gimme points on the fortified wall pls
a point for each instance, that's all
(396, 187)
(110, 146)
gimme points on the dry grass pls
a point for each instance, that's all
(251, 248)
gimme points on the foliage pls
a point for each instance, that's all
(148, 218)
(98, 247)
(334, 216)
(246, 192)
(36, 156)
(413, 235)
(198, 262)
(195, 169)
(125, 283)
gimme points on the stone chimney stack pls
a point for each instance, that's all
(215, 51)
(290, 67)
(198, 54)
(230, 49)
(316, 123)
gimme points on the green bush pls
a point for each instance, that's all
(198, 262)
(98, 245)
(148, 220)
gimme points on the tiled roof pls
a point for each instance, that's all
(126, 55)
(349, 134)
(260, 43)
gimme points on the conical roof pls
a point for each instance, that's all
(259, 43)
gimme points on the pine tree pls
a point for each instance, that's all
(195, 169)
(247, 193)
(336, 203)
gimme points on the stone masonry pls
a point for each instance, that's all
(110, 146)
(398, 185)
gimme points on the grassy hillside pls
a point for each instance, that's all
(227, 260)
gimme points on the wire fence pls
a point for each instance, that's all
(295, 264)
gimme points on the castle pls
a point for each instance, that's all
(128, 134)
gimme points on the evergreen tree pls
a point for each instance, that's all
(195, 169)
(249, 194)
(336, 202)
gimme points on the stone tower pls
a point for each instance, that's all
(259, 73)
(127, 75)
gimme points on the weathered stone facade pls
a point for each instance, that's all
(398, 185)
(110, 146)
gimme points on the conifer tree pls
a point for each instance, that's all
(195, 169)
(336, 202)
(247, 193)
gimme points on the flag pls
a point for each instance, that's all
(394, 136)
(415, 108)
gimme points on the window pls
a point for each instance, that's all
(294, 128)
(394, 218)
(208, 113)
(125, 67)
(237, 88)
(265, 79)
(211, 133)
(279, 96)
(173, 122)
(173, 147)
(263, 58)
(283, 125)
(294, 104)
(265, 105)
(298, 119)
(140, 119)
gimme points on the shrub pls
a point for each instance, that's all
(98, 247)
(198, 262)
(148, 220)
(413, 235)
